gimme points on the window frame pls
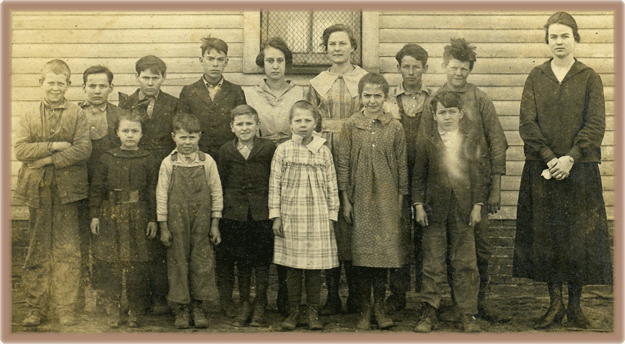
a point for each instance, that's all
(251, 44)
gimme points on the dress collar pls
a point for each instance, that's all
(324, 81)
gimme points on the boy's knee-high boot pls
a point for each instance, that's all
(575, 316)
(556, 310)
(260, 301)
(379, 292)
(333, 302)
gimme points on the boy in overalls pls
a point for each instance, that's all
(189, 202)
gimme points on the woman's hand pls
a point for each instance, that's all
(41, 163)
(348, 209)
(95, 226)
(165, 234)
(214, 233)
(420, 215)
(277, 227)
(151, 230)
(562, 167)
(476, 215)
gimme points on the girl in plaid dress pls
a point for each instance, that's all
(303, 202)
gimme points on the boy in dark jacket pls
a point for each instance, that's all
(450, 182)
(246, 231)
(157, 109)
(211, 98)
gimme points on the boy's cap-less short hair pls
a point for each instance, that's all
(242, 110)
(99, 69)
(209, 43)
(57, 67)
(413, 50)
(186, 122)
(448, 99)
(460, 50)
(564, 19)
(277, 43)
(338, 28)
(305, 105)
(373, 79)
(151, 63)
(129, 116)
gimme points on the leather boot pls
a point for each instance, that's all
(483, 311)
(428, 320)
(313, 318)
(182, 317)
(383, 320)
(556, 310)
(290, 323)
(34, 318)
(199, 318)
(575, 317)
(469, 323)
(244, 315)
(364, 322)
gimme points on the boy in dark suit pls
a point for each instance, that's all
(157, 109)
(212, 97)
(450, 178)
(246, 231)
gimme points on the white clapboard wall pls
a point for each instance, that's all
(508, 45)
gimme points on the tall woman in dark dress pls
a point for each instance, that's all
(562, 235)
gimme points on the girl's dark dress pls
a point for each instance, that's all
(122, 197)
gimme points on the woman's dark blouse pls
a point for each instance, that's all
(566, 118)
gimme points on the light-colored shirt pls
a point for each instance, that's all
(412, 103)
(164, 178)
(273, 110)
(150, 109)
(213, 89)
(244, 149)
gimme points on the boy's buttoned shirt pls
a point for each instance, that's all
(192, 160)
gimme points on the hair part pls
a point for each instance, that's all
(415, 51)
(338, 28)
(56, 66)
(129, 116)
(562, 18)
(243, 110)
(373, 79)
(276, 43)
(448, 99)
(98, 69)
(151, 63)
(209, 43)
(460, 50)
(187, 122)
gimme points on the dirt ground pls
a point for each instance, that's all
(523, 303)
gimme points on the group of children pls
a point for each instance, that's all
(184, 188)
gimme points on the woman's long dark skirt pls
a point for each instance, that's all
(562, 232)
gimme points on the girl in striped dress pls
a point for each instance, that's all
(303, 202)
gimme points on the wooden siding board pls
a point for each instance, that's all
(124, 36)
(129, 21)
(395, 35)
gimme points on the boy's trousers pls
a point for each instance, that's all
(52, 265)
(190, 258)
(462, 259)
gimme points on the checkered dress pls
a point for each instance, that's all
(303, 192)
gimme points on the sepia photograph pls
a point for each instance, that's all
(287, 171)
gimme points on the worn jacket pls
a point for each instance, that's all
(214, 115)
(156, 130)
(480, 110)
(70, 165)
(245, 183)
(435, 179)
(566, 118)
